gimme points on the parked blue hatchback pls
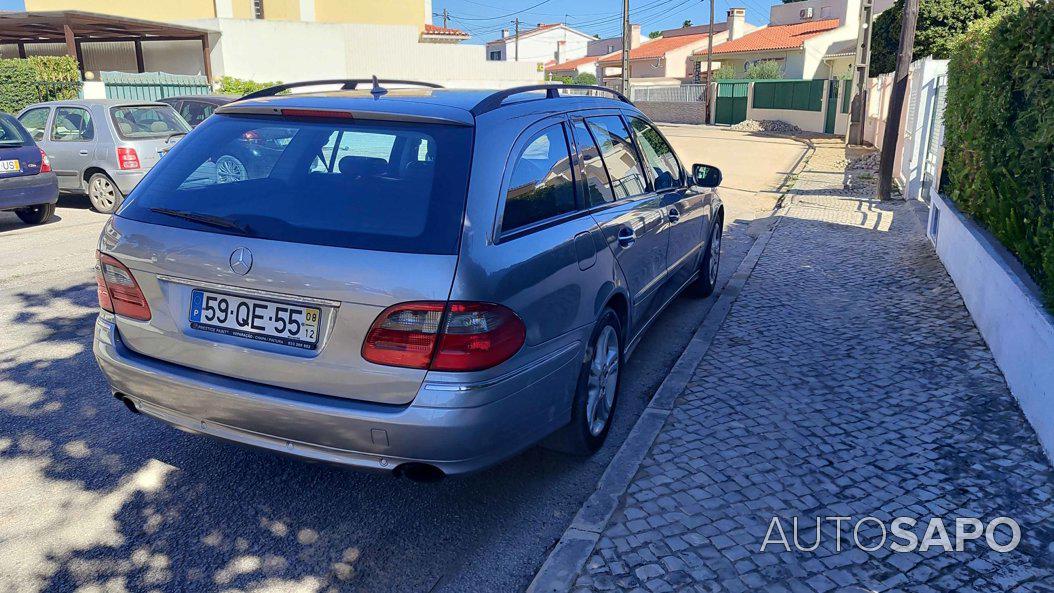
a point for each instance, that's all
(27, 184)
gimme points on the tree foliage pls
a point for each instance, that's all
(940, 23)
(654, 34)
(237, 86)
(999, 122)
(585, 78)
(766, 70)
(35, 79)
(725, 73)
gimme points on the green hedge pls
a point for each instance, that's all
(237, 86)
(39, 78)
(999, 153)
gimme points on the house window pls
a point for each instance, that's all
(494, 56)
(258, 11)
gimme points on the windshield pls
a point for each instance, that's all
(135, 122)
(11, 133)
(386, 186)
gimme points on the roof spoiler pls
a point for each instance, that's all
(552, 91)
(347, 84)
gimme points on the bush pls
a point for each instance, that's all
(940, 23)
(999, 153)
(237, 86)
(725, 73)
(39, 78)
(767, 70)
(585, 78)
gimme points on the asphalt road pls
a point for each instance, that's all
(94, 496)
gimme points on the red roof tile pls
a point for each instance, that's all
(775, 37)
(572, 64)
(444, 31)
(655, 48)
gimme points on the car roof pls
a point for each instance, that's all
(213, 99)
(449, 104)
(89, 102)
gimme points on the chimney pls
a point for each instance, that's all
(504, 33)
(736, 22)
(634, 36)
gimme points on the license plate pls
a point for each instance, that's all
(11, 166)
(264, 321)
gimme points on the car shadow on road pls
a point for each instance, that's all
(105, 496)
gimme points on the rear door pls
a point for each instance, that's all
(71, 144)
(624, 206)
(335, 221)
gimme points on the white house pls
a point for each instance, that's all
(544, 44)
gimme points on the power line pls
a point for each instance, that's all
(502, 16)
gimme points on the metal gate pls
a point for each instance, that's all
(731, 105)
(151, 86)
(832, 106)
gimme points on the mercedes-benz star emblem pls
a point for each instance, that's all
(241, 261)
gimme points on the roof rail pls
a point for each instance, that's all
(552, 91)
(347, 84)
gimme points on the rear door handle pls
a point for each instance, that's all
(627, 236)
(84, 152)
(674, 215)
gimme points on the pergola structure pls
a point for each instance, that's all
(74, 27)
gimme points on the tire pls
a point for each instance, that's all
(38, 214)
(597, 386)
(706, 283)
(103, 193)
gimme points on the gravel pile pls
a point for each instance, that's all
(868, 161)
(766, 125)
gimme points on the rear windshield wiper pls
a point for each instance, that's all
(205, 219)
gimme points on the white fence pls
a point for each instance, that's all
(684, 93)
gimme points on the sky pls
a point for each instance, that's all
(484, 19)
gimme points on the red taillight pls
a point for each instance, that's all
(45, 162)
(118, 291)
(127, 158)
(444, 337)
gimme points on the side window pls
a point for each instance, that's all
(34, 121)
(196, 112)
(542, 184)
(658, 154)
(72, 124)
(616, 148)
(598, 185)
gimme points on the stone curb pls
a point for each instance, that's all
(557, 574)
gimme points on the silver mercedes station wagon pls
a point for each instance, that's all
(414, 280)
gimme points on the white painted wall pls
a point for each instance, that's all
(542, 47)
(1006, 307)
(291, 51)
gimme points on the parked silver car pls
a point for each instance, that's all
(103, 146)
(423, 281)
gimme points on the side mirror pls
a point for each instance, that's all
(706, 175)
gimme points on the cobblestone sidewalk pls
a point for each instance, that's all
(848, 380)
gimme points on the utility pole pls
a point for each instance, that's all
(516, 39)
(625, 48)
(896, 99)
(709, 64)
(445, 17)
(863, 67)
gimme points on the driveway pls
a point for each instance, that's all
(94, 495)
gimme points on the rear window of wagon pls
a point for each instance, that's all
(385, 186)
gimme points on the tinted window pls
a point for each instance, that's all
(34, 121)
(72, 124)
(195, 112)
(277, 179)
(598, 186)
(620, 158)
(542, 185)
(147, 121)
(11, 133)
(658, 154)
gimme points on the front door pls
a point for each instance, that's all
(832, 106)
(70, 144)
(627, 211)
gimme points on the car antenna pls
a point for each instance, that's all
(377, 91)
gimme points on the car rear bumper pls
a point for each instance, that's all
(28, 190)
(368, 436)
(127, 180)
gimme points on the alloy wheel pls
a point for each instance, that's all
(715, 255)
(102, 194)
(603, 380)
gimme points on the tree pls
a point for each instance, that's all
(940, 23)
(585, 78)
(654, 34)
(766, 70)
(725, 73)
(687, 23)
